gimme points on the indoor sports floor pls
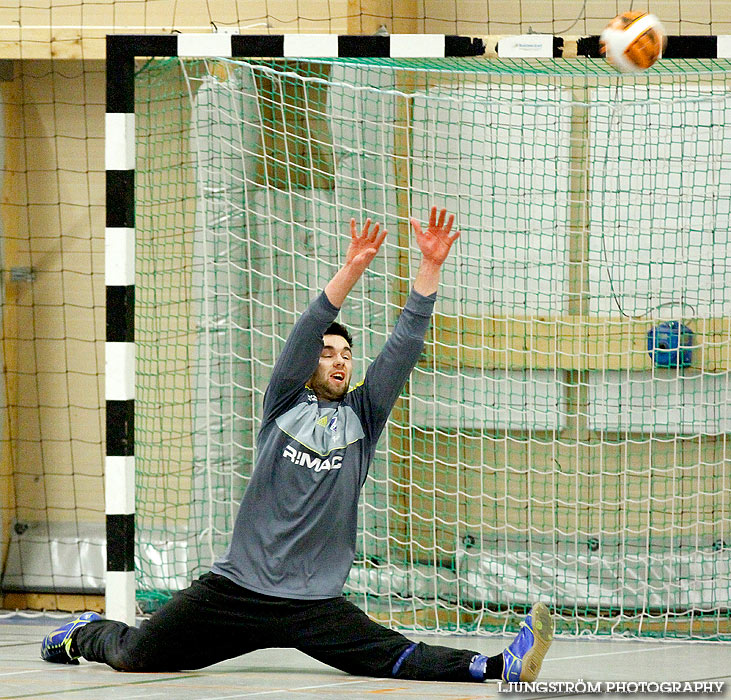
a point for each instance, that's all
(284, 673)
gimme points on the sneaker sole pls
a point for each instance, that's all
(542, 638)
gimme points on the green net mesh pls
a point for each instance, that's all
(564, 436)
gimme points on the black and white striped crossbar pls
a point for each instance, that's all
(677, 47)
(549, 46)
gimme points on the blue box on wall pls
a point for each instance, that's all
(670, 344)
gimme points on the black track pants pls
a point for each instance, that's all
(214, 619)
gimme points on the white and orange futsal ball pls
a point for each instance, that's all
(633, 41)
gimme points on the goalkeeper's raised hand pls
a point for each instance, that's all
(364, 245)
(435, 243)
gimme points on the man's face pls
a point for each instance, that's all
(332, 376)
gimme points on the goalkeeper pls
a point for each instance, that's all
(280, 582)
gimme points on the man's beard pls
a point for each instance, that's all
(325, 391)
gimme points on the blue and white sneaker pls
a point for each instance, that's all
(523, 658)
(56, 646)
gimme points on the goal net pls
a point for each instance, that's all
(565, 435)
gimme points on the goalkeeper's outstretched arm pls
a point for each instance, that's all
(434, 243)
(299, 356)
(388, 373)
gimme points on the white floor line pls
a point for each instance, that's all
(290, 690)
(604, 653)
(20, 673)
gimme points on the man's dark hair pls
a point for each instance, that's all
(336, 328)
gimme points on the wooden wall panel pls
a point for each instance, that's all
(54, 350)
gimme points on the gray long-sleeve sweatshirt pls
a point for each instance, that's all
(295, 532)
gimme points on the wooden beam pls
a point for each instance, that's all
(399, 431)
(577, 385)
(564, 342)
(52, 601)
(13, 203)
